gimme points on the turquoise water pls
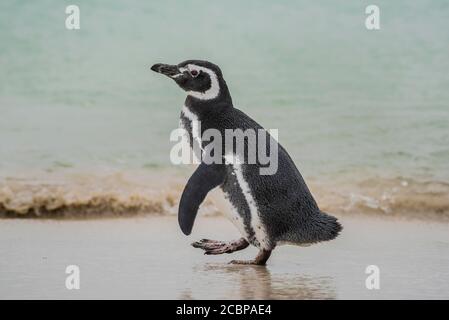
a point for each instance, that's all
(346, 101)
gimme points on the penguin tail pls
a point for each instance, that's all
(318, 227)
(327, 227)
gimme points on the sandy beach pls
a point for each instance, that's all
(149, 258)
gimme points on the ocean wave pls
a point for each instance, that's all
(87, 195)
(120, 194)
(398, 196)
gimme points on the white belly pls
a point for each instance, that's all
(256, 224)
(232, 214)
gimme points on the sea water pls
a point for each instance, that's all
(364, 114)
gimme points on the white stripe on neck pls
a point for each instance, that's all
(195, 125)
(214, 89)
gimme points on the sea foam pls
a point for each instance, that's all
(84, 195)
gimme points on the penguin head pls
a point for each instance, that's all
(202, 80)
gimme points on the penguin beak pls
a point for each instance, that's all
(171, 71)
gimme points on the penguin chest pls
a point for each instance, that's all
(244, 213)
(237, 213)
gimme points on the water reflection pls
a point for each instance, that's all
(257, 282)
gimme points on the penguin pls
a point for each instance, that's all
(268, 209)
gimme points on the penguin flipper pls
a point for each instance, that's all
(205, 178)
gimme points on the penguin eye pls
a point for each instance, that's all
(194, 73)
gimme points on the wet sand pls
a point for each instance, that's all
(149, 258)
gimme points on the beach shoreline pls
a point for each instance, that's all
(96, 193)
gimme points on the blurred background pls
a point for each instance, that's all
(85, 124)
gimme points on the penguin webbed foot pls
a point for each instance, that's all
(260, 260)
(220, 247)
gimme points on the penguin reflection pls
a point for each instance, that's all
(257, 282)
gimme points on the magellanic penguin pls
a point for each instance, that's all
(269, 209)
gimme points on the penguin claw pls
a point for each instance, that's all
(220, 250)
(219, 247)
(196, 244)
(207, 245)
(210, 241)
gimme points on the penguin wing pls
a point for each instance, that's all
(205, 178)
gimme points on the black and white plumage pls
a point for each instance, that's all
(268, 210)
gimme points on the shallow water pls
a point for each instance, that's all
(148, 258)
(352, 106)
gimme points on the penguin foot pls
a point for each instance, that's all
(260, 260)
(220, 247)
